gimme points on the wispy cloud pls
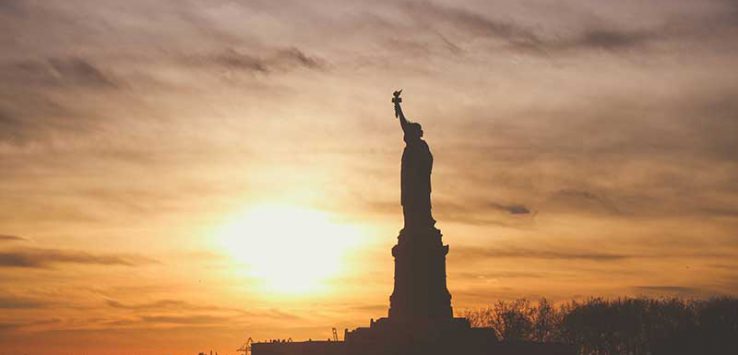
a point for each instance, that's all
(275, 60)
(514, 209)
(473, 253)
(10, 302)
(477, 276)
(44, 258)
(186, 320)
(156, 305)
(171, 305)
(474, 212)
(572, 253)
(593, 32)
(680, 291)
(517, 36)
(481, 214)
(431, 13)
(583, 201)
(11, 238)
(63, 71)
(608, 39)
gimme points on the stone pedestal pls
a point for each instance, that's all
(420, 292)
(420, 318)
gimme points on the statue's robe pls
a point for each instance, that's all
(417, 163)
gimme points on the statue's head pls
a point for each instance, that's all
(414, 132)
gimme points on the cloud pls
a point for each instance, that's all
(470, 211)
(609, 39)
(674, 290)
(480, 212)
(514, 209)
(57, 71)
(373, 308)
(151, 305)
(12, 7)
(25, 115)
(170, 320)
(186, 320)
(499, 275)
(8, 302)
(169, 304)
(7, 327)
(179, 306)
(11, 238)
(279, 60)
(44, 258)
(471, 22)
(234, 60)
(590, 31)
(610, 158)
(470, 253)
(42, 96)
(276, 313)
(582, 200)
(517, 36)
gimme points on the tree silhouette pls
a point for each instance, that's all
(631, 326)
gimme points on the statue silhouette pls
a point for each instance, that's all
(420, 319)
(415, 177)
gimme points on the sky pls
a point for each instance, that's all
(178, 176)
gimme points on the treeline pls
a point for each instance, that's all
(627, 326)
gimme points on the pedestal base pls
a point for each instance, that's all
(420, 277)
(397, 337)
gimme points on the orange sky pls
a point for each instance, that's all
(177, 176)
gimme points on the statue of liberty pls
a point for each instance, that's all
(415, 177)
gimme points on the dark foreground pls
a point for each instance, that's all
(594, 327)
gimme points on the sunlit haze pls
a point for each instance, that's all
(287, 249)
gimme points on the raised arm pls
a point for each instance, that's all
(398, 110)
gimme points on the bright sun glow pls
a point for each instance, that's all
(290, 250)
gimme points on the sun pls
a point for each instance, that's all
(288, 249)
